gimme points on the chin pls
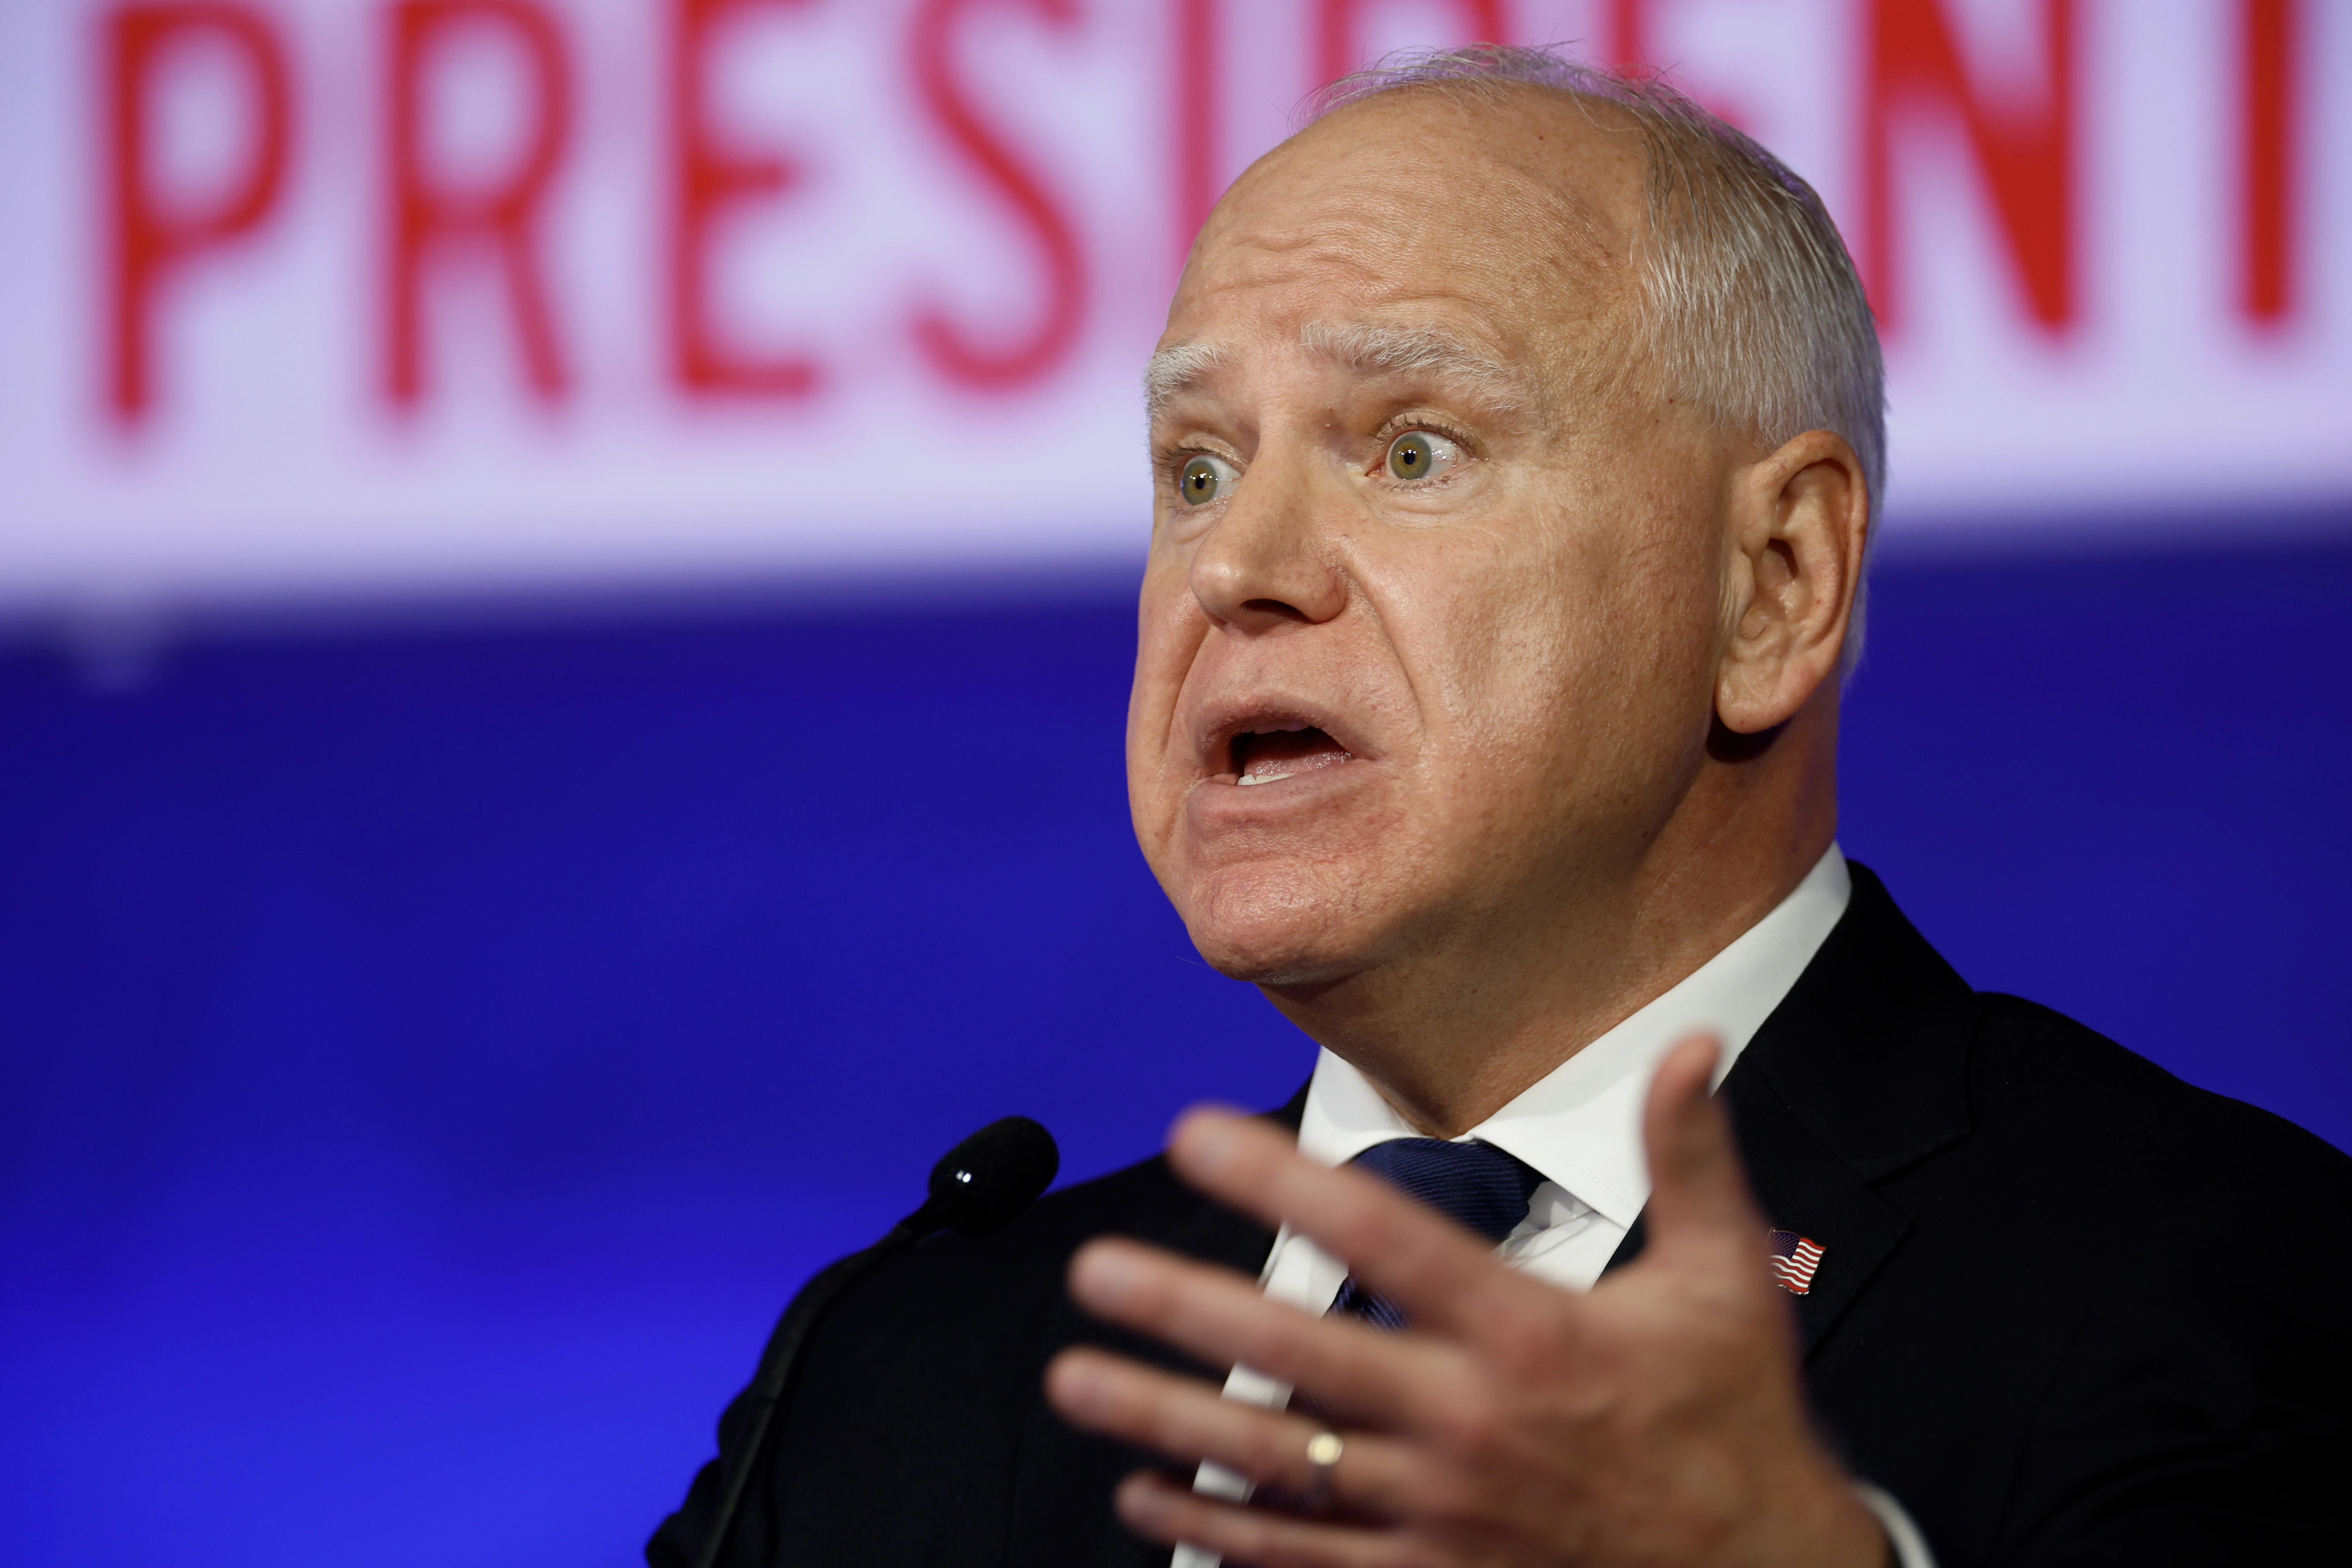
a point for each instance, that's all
(1277, 929)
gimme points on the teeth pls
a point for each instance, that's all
(1260, 778)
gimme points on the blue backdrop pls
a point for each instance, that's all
(428, 1058)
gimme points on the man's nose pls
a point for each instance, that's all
(1272, 560)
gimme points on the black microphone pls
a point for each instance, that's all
(980, 1185)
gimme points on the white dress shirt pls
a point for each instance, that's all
(1581, 1128)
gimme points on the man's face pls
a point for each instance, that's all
(1431, 621)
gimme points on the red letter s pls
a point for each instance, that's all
(1065, 299)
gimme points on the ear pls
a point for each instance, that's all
(1798, 523)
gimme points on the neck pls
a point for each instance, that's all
(1468, 1019)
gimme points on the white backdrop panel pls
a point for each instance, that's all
(304, 297)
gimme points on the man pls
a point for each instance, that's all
(1518, 438)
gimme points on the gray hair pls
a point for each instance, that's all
(1752, 306)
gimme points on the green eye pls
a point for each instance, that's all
(1417, 454)
(1204, 479)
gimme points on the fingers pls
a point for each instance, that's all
(1219, 1318)
(1443, 1277)
(1698, 1194)
(1154, 1507)
(1189, 1421)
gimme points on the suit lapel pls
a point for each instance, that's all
(1860, 1072)
(1805, 1187)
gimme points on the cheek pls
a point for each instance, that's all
(1589, 654)
(1530, 700)
(1636, 690)
(1168, 629)
(1507, 641)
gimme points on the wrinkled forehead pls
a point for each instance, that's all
(1433, 353)
(1508, 228)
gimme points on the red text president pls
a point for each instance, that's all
(1516, 438)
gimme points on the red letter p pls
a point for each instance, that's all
(150, 240)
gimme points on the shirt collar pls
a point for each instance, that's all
(1580, 1124)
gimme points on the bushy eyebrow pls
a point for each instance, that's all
(1359, 346)
(1175, 369)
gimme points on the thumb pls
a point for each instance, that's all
(1698, 1194)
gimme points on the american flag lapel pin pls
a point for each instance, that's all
(1793, 1258)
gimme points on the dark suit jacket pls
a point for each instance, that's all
(2070, 1310)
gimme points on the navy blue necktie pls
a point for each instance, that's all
(1476, 1185)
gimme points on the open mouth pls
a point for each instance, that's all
(1275, 752)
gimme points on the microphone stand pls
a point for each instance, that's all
(776, 1362)
(982, 1183)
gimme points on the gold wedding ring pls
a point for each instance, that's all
(1323, 1451)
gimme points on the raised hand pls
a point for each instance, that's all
(1657, 1419)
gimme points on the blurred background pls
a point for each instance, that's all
(564, 609)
